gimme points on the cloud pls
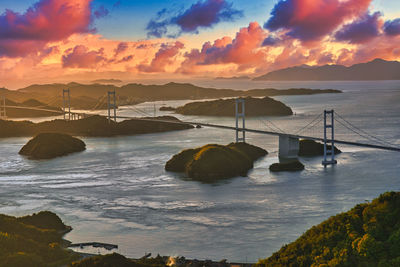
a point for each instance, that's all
(308, 20)
(121, 48)
(203, 14)
(101, 12)
(163, 58)
(392, 27)
(243, 50)
(270, 41)
(361, 30)
(44, 22)
(81, 57)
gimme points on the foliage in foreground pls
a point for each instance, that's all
(34, 240)
(367, 235)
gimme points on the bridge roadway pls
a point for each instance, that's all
(389, 148)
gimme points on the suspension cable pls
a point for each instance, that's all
(365, 133)
(310, 124)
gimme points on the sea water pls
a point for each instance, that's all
(117, 191)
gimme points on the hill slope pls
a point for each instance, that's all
(377, 69)
(367, 235)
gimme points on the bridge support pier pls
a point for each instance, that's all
(66, 104)
(329, 154)
(111, 104)
(240, 116)
(288, 147)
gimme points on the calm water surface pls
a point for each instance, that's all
(118, 192)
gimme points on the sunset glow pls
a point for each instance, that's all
(46, 41)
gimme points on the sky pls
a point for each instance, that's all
(47, 41)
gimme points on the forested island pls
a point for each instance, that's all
(51, 145)
(95, 126)
(212, 162)
(226, 107)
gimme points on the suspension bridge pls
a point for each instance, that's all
(288, 142)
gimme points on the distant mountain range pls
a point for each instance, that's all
(111, 81)
(377, 69)
(87, 96)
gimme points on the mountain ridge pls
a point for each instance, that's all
(377, 69)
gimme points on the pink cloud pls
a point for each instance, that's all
(311, 20)
(81, 57)
(243, 50)
(163, 58)
(44, 22)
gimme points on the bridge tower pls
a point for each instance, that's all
(3, 114)
(240, 116)
(329, 154)
(66, 104)
(111, 104)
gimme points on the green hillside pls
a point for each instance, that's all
(367, 235)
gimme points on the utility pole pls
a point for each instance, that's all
(331, 152)
(111, 104)
(240, 116)
(66, 103)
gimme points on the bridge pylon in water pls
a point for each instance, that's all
(112, 104)
(329, 154)
(66, 104)
(240, 117)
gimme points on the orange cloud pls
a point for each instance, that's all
(46, 21)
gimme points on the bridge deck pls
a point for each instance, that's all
(350, 143)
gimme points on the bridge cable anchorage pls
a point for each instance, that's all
(364, 133)
(311, 124)
(240, 114)
(331, 140)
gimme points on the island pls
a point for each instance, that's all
(311, 148)
(167, 108)
(226, 107)
(367, 235)
(287, 166)
(94, 126)
(94, 96)
(51, 145)
(212, 162)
